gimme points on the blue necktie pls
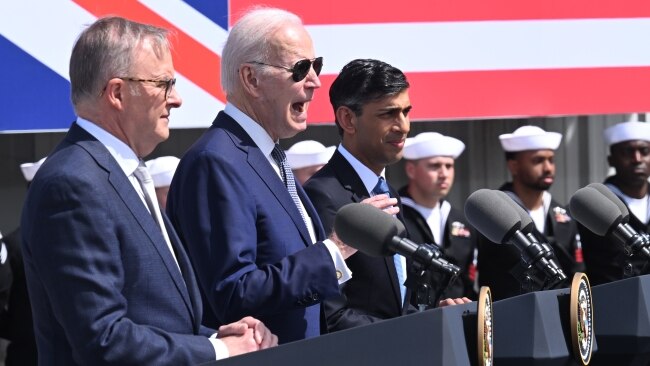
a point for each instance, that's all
(382, 188)
(287, 176)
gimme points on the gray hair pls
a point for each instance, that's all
(105, 50)
(248, 41)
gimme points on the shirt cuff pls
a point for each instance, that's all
(343, 273)
(220, 349)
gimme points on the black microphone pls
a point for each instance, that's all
(497, 217)
(376, 233)
(603, 217)
(530, 252)
(612, 197)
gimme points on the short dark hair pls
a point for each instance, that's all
(511, 155)
(362, 81)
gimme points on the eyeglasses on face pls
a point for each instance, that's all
(167, 84)
(300, 69)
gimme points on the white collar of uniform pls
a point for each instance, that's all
(368, 177)
(257, 133)
(121, 152)
(443, 205)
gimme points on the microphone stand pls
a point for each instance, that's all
(634, 244)
(537, 269)
(418, 281)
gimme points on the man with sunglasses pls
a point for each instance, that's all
(108, 279)
(255, 240)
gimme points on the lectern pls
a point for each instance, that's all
(536, 329)
(437, 337)
(622, 322)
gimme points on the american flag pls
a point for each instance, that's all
(465, 59)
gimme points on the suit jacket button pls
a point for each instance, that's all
(314, 297)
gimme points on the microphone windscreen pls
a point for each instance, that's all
(527, 223)
(490, 214)
(367, 228)
(594, 211)
(612, 197)
(401, 230)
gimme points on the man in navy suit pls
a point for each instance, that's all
(257, 248)
(371, 105)
(109, 281)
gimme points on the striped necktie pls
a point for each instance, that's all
(287, 176)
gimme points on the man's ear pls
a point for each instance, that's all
(513, 166)
(409, 168)
(115, 92)
(248, 77)
(347, 120)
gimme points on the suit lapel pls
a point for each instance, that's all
(187, 272)
(264, 170)
(132, 201)
(351, 181)
(348, 177)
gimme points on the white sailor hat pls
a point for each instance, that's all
(308, 153)
(530, 138)
(30, 169)
(162, 170)
(428, 144)
(627, 131)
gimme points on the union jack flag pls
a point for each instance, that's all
(464, 58)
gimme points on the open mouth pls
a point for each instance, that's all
(299, 107)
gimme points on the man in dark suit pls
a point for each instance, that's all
(429, 218)
(629, 146)
(371, 106)
(254, 237)
(109, 281)
(530, 155)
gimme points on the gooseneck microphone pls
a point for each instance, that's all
(532, 252)
(612, 197)
(503, 221)
(601, 215)
(376, 233)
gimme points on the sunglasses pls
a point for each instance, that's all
(300, 69)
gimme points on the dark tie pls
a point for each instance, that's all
(382, 188)
(287, 177)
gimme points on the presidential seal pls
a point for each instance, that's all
(582, 321)
(485, 329)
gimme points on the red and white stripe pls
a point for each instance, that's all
(464, 58)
